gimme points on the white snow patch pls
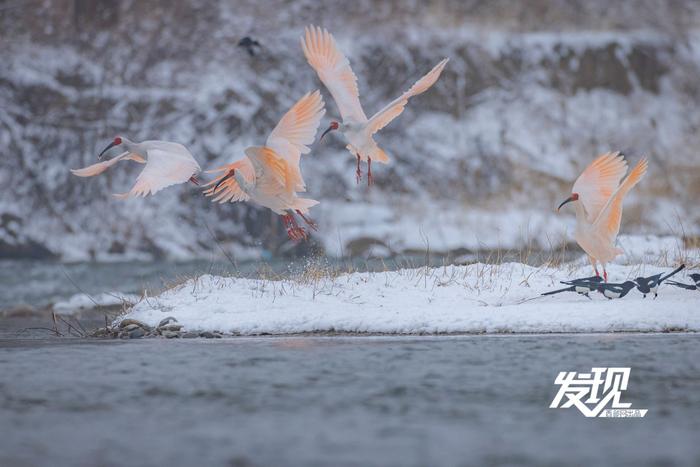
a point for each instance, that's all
(477, 298)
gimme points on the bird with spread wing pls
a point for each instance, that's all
(597, 196)
(333, 69)
(167, 164)
(270, 175)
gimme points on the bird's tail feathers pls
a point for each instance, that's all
(567, 289)
(672, 273)
(682, 285)
(378, 155)
(303, 204)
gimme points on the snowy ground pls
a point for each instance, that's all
(477, 298)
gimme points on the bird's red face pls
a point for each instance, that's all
(333, 126)
(116, 142)
(573, 197)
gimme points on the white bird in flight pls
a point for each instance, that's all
(597, 196)
(270, 175)
(167, 164)
(333, 69)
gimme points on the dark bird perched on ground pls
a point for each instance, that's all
(581, 286)
(696, 278)
(611, 290)
(249, 44)
(651, 284)
(684, 286)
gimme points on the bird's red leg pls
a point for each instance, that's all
(370, 180)
(309, 222)
(605, 275)
(358, 172)
(294, 232)
(299, 232)
(286, 219)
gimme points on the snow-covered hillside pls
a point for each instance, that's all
(460, 299)
(531, 94)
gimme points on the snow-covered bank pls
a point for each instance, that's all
(477, 298)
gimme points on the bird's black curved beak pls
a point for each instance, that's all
(111, 145)
(328, 130)
(223, 179)
(567, 200)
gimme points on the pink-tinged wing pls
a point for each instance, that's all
(96, 169)
(297, 128)
(334, 71)
(168, 164)
(608, 221)
(274, 175)
(229, 190)
(599, 181)
(394, 109)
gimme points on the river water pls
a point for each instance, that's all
(40, 283)
(351, 400)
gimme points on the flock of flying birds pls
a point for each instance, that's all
(270, 175)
